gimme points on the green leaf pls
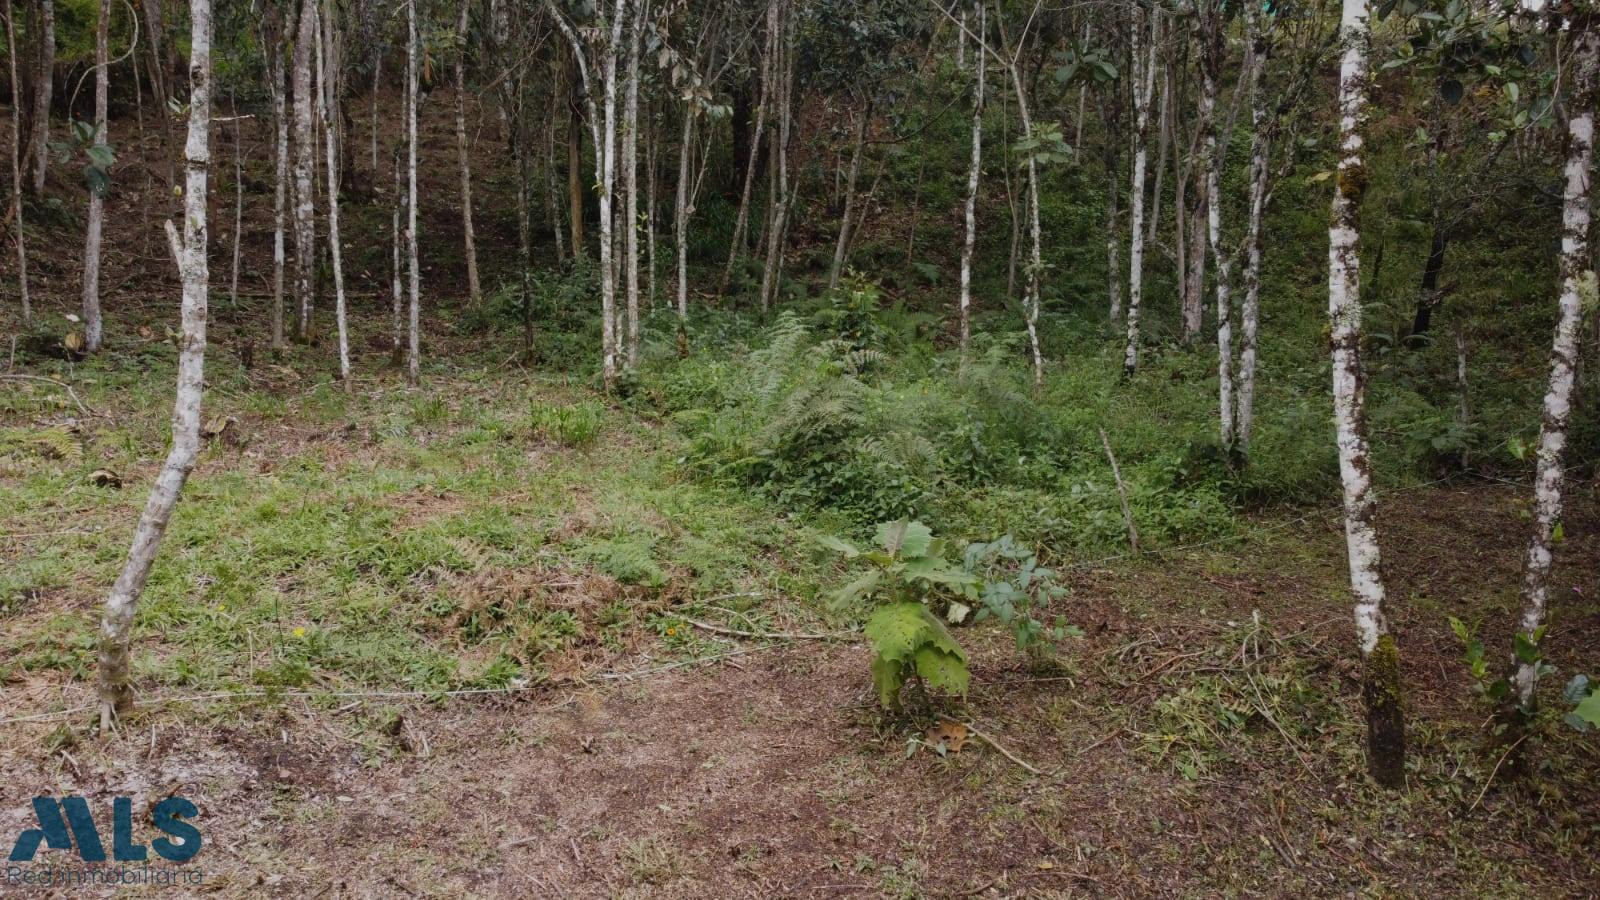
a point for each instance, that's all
(1460, 628)
(898, 629)
(1527, 650)
(839, 545)
(855, 591)
(905, 538)
(943, 671)
(102, 155)
(1589, 709)
(936, 571)
(887, 676)
(1576, 689)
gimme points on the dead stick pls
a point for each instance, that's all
(1122, 492)
(973, 730)
(777, 635)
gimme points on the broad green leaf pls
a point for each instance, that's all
(855, 591)
(839, 545)
(1576, 689)
(1589, 709)
(1526, 650)
(905, 538)
(887, 676)
(942, 670)
(896, 630)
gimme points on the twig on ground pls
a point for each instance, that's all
(973, 730)
(86, 410)
(775, 635)
(1503, 757)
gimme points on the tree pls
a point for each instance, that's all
(100, 153)
(44, 88)
(468, 237)
(1144, 75)
(1578, 292)
(979, 64)
(16, 170)
(330, 133)
(189, 251)
(1379, 654)
(274, 45)
(413, 267)
(305, 227)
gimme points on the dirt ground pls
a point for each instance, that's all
(766, 769)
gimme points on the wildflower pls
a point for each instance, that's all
(299, 632)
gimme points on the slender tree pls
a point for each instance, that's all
(1578, 290)
(630, 162)
(189, 249)
(468, 237)
(273, 45)
(93, 329)
(44, 89)
(1379, 654)
(414, 286)
(858, 150)
(305, 227)
(974, 171)
(16, 170)
(1144, 74)
(330, 135)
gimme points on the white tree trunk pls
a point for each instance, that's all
(856, 154)
(42, 93)
(1577, 289)
(414, 323)
(16, 167)
(330, 134)
(974, 172)
(398, 329)
(238, 201)
(1144, 86)
(1385, 725)
(630, 161)
(469, 239)
(93, 329)
(116, 623)
(276, 75)
(1250, 313)
(305, 226)
(1213, 45)
(680, 224)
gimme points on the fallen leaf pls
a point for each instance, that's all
(946, 737)
(105, 478)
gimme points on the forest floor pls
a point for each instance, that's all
(339, 565)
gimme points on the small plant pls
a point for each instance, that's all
(1584, 695)
(909, 642)
(1013, 584)
(1492, 688)
(574, 425)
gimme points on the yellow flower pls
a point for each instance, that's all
(671, 631)
(221, 608)
(299, 632)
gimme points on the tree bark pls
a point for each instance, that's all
(43, 90)
(575, 165)
(469, 240)
(1380, 657)
(116, 624)
(741, 224)
(305, 227)
(276, 76)
(1144, 86)
(784, 67)
(16, 169)
(630, 161)
(1250, 314)
(680, 228)
(856, 154)
(1212, 47)
(330, 134)
(93, 329)
(414, 323)
(974, 172)
(1578, 290)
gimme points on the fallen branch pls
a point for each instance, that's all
(973, 730)
(775, 635)
(8, 376)
(1503, 757)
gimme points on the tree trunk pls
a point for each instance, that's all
(1428, 295)
(1380, 657)
(974, 171)
(42, 94)
(414, 324)
(741, 223)
(1260, 151)
(552, 193)
(780, 204)
(276, 75)
(1213, 46)
(92, 327)
(680, 227)
(856, 153)
(630, 161)
(1577, 290)
(397, 330)
(16, 169)
(305, 226)
(116, 624)
(238, 201)
(330, 133)
(1144, 85)
(575, 166)
(469, 241)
